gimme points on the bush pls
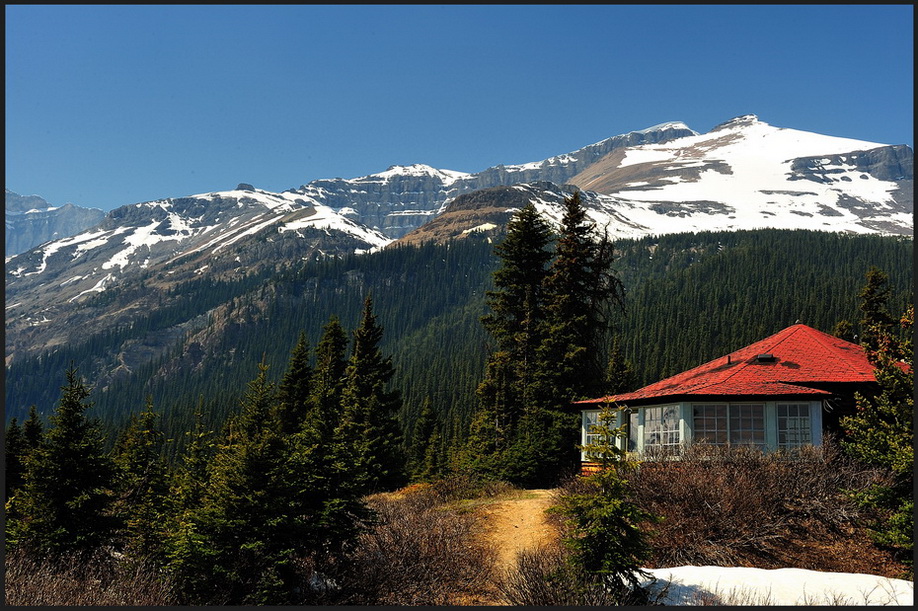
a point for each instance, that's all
(97, 579)
(546, 576)
(419, 552)
(721, 505)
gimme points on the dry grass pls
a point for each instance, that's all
(85, 580)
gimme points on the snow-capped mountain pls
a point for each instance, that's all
(403, 198)
(147, 248)
(743, 174)
(746, 174)
(31, 221)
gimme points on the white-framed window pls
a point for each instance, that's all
(793, 425)
(590, 419)
(734, 423)
(661, 427)
(633, 430)
(709, 424)
(747, 425)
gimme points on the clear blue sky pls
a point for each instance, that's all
(113, 105)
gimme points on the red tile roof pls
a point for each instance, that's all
(802, 356)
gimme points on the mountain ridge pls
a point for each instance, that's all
(671, 179)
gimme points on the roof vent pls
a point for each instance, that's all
(765, 358)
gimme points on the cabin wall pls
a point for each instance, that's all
(672, 425)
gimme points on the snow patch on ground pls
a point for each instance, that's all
(694, 585)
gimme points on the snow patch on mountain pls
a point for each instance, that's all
(447, 177)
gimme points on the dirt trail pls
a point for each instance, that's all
(518, 524)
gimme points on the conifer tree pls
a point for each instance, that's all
(516, 322)
(517, 301)
(881, 432)
(294, 390)
(190, 478)
(235, 548)
(271, 502)
(606, 537)
(142, 484)
(425, 460)
(14, 450)
(32, 430)
(581, 289)
(876, 321)
(328, 380)
(369, 433)
(619, 376)
(67, 492)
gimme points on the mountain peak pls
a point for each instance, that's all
(663, 126)
(740, 121)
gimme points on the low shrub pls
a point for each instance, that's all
(546, 576)
(721, 505)
(97, 579)
(419, 552)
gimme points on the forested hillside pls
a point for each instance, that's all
(689, 298)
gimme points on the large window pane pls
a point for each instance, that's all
(661, 426)
(793, 425)
(747, 425)
(737, 423)
(710, 423)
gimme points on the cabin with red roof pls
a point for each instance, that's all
(779, 393)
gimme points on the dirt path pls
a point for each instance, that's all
(518, 524)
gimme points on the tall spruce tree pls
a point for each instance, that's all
(581, 291)
(328, 381)
(142, 485)
(14, 450)
(369, 432)
(294, 390)
(67, 490)
(516, 322)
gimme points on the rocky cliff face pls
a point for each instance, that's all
(403, 198)
(31, 221)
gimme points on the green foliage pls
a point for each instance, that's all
(549, 317)
(619, 375)
(142, 486)
(604, 524)
(873, 302)
(426, 459)
(272, 503)
(582, 291)
(517, 301)
(369, 436)
(64, 502)
(14, 451)
(328, 381)
(294, 391)
(881, 432)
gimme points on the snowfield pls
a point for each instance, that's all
(699, 585)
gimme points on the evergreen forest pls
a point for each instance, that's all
(687, 298)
